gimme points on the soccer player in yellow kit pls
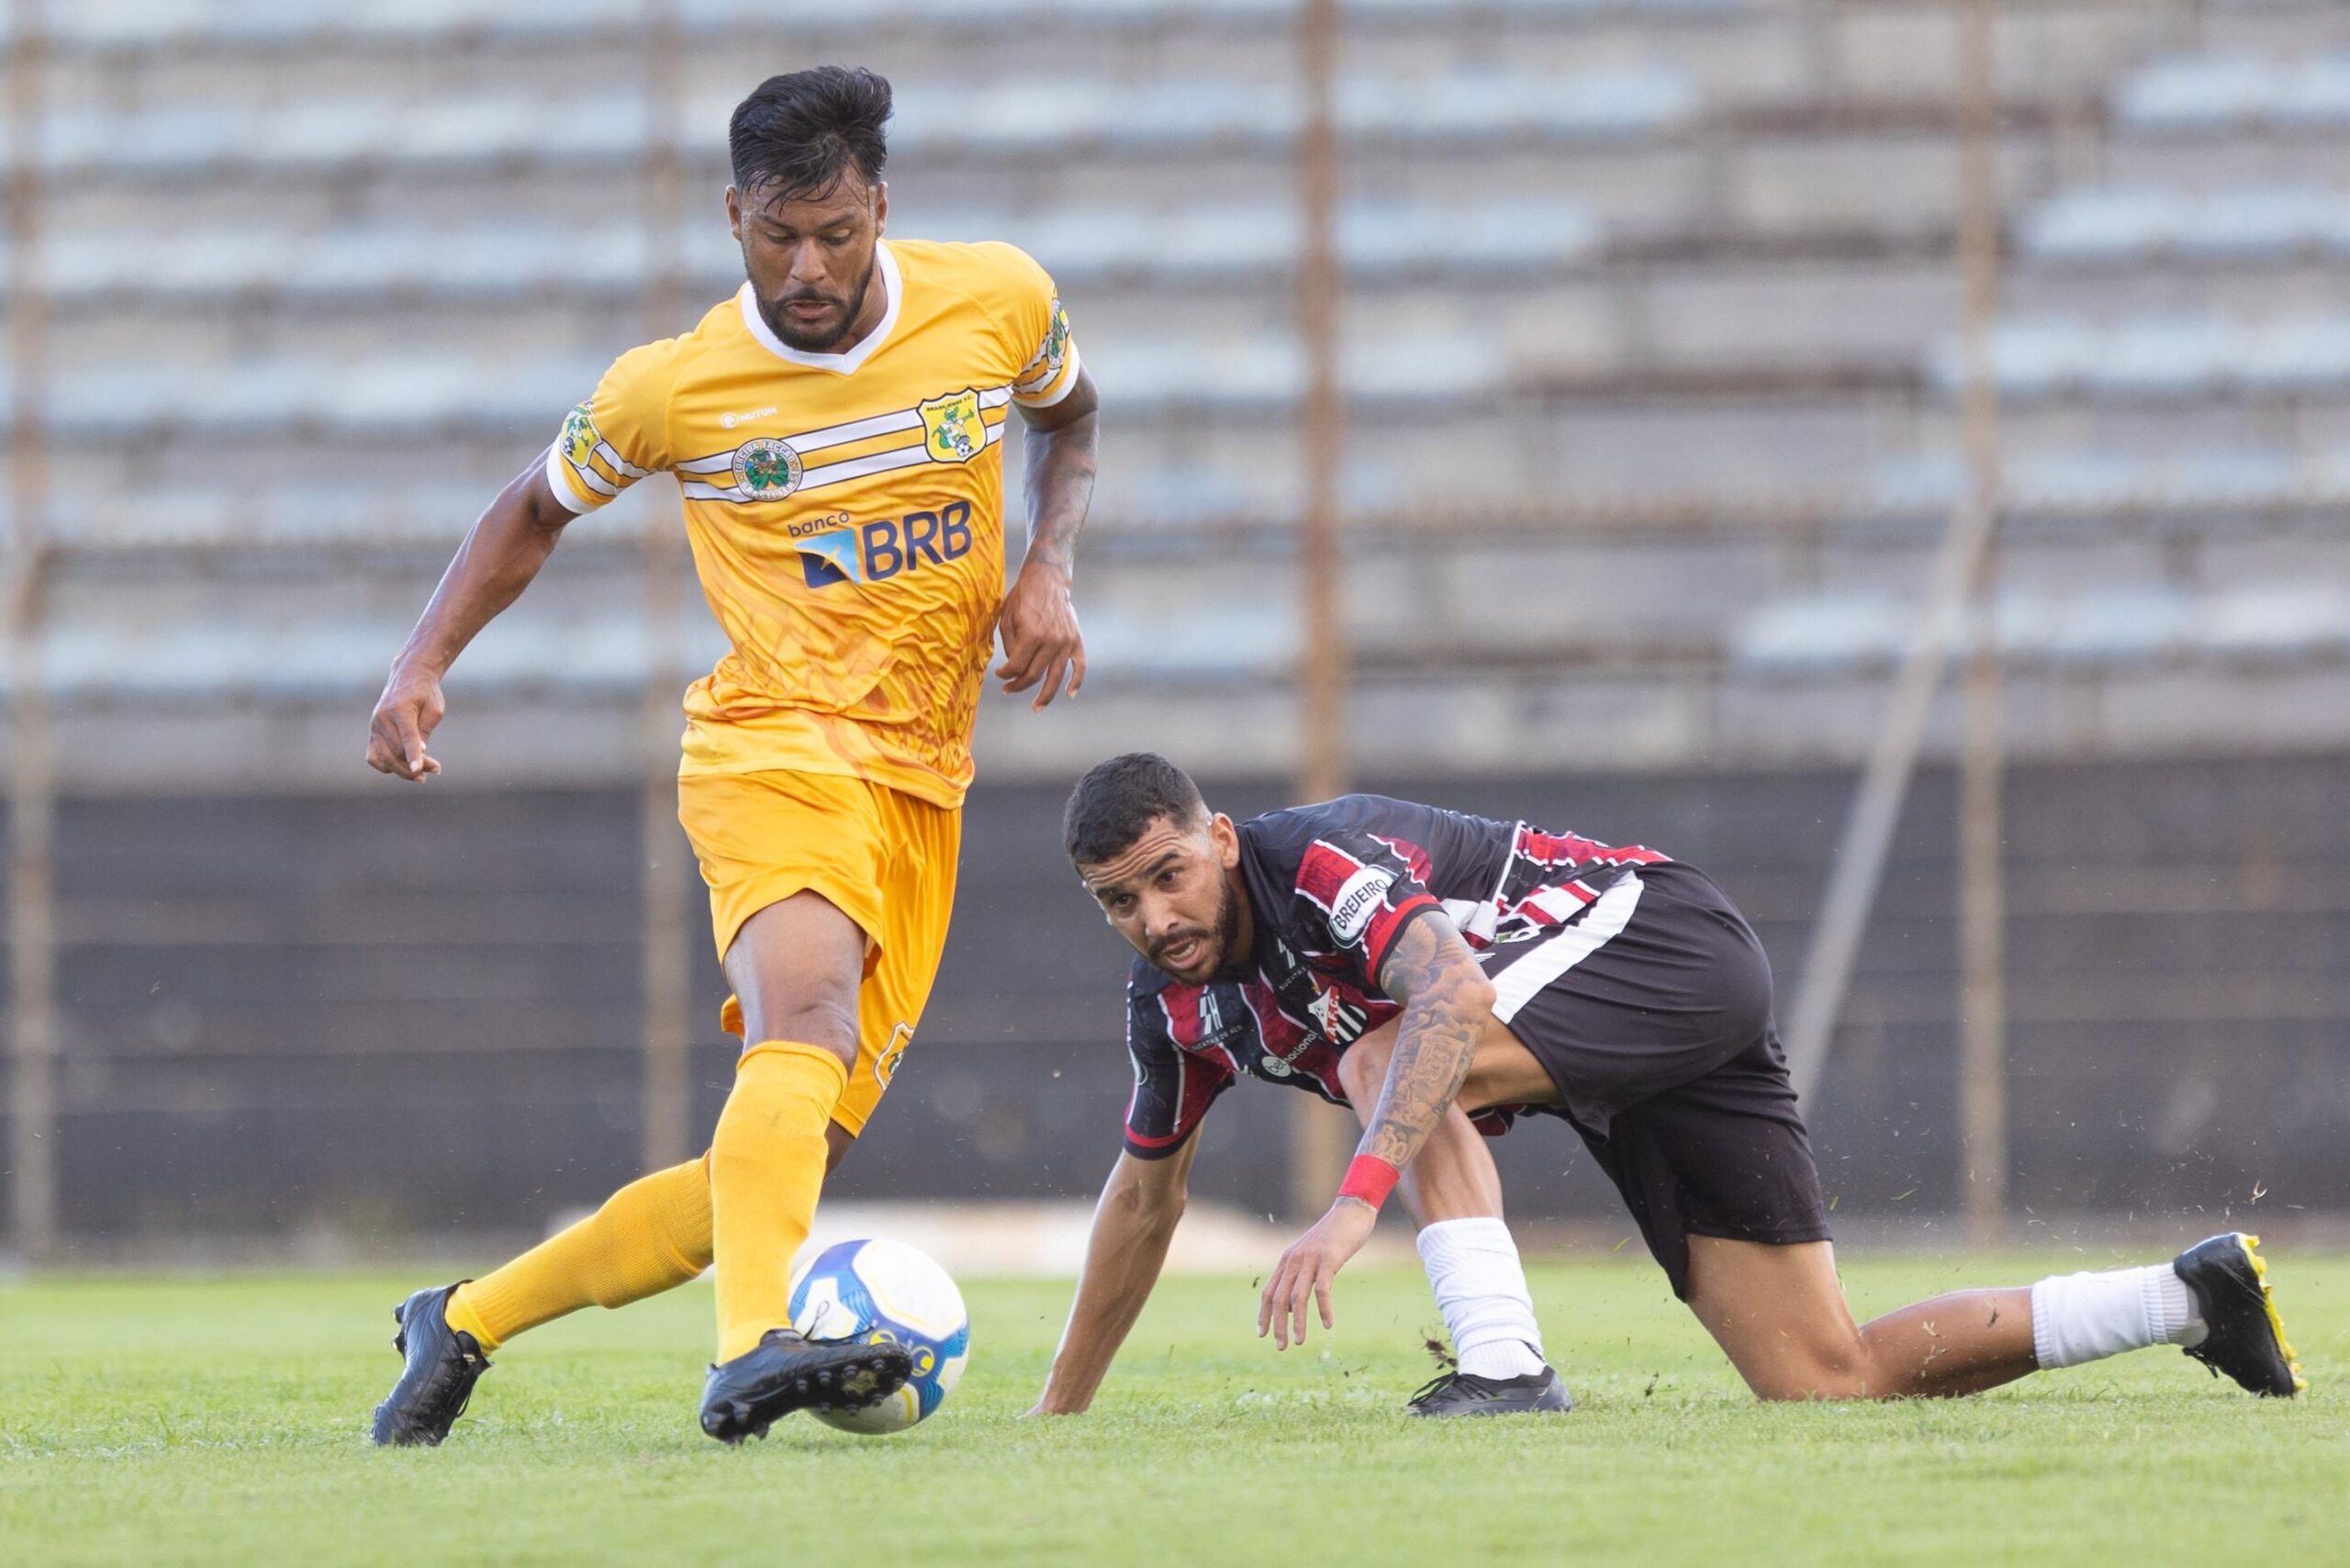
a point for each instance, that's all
(835, 429)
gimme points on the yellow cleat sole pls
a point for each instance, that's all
(2251, 1245)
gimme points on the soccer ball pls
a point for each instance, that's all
(886, 1292)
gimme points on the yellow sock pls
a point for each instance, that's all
(767, 1165)
(651, 1235)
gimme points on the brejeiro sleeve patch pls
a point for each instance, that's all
(1361, 891)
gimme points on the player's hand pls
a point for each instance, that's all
(1038, 629)
(405, 717)
(1306, 1271)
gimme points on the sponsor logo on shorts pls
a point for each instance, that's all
(1357, 901)
(885, 1066)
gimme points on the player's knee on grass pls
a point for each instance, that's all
(1778, 1313)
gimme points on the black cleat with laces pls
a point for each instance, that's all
(1465, 1394)
(444, 1363)
(787, 1371)
(2246, 1338)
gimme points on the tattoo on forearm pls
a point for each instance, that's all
(1435, 1042)
(1061, 487)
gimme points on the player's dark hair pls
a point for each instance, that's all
(1116, 802)
(795, 135)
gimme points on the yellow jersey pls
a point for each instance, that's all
(845, 510)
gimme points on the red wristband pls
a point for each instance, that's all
(1368, 1177)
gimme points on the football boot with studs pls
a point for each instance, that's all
(2229, 1279)
(1465, 1394)
(443, 1364)
(787, 1371)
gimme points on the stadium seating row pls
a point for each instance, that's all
(1007, 117)
(1200, 633)
(2077, 489)
(2139, 224)
(155, 24)
(2237, 91)
(410, 390)
(421, 389)
(1084, 244)
(1837, 632)
(2088, 481)
(2170, 356)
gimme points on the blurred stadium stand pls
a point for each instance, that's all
(1649, 349)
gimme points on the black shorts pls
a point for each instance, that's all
(1651, 1012)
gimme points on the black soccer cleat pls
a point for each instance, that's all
(2229, 1282)
(444, 1363)
(1465, 1394)
(787, 1371)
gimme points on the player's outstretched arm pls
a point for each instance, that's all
(1446, 999)
(503, 552)
(1132, 1226)
(1038, 626)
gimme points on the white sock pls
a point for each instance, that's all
(2086, 1317)
(1480, 1289)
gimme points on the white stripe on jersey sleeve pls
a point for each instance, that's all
(573, 502)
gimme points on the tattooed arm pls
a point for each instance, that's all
(1447, 1002)
(1038, 624)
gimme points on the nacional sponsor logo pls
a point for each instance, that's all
(952, 431)
(1351, 911)
(728, 422)
(766, 469)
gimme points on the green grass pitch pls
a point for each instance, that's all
(174, 1419)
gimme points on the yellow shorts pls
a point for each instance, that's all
(884, 859)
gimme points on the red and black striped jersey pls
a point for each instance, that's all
(1330, 888)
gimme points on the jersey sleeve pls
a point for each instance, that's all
(1356, 893)
(1040, 344)
(1173, 1087)
(617, 436)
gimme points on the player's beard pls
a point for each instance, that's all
(1224, 941)
(799, 341)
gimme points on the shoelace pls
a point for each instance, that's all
(1429, 1389)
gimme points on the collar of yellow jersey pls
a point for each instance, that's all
(846, 362)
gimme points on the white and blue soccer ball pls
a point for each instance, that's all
(886, 1292)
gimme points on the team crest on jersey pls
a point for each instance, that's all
(767, 470)
(952, 431)
(1056, 343)
(580, 436)
(1339, 1020)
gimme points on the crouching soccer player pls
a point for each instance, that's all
(836, 428)
(1454, 963)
